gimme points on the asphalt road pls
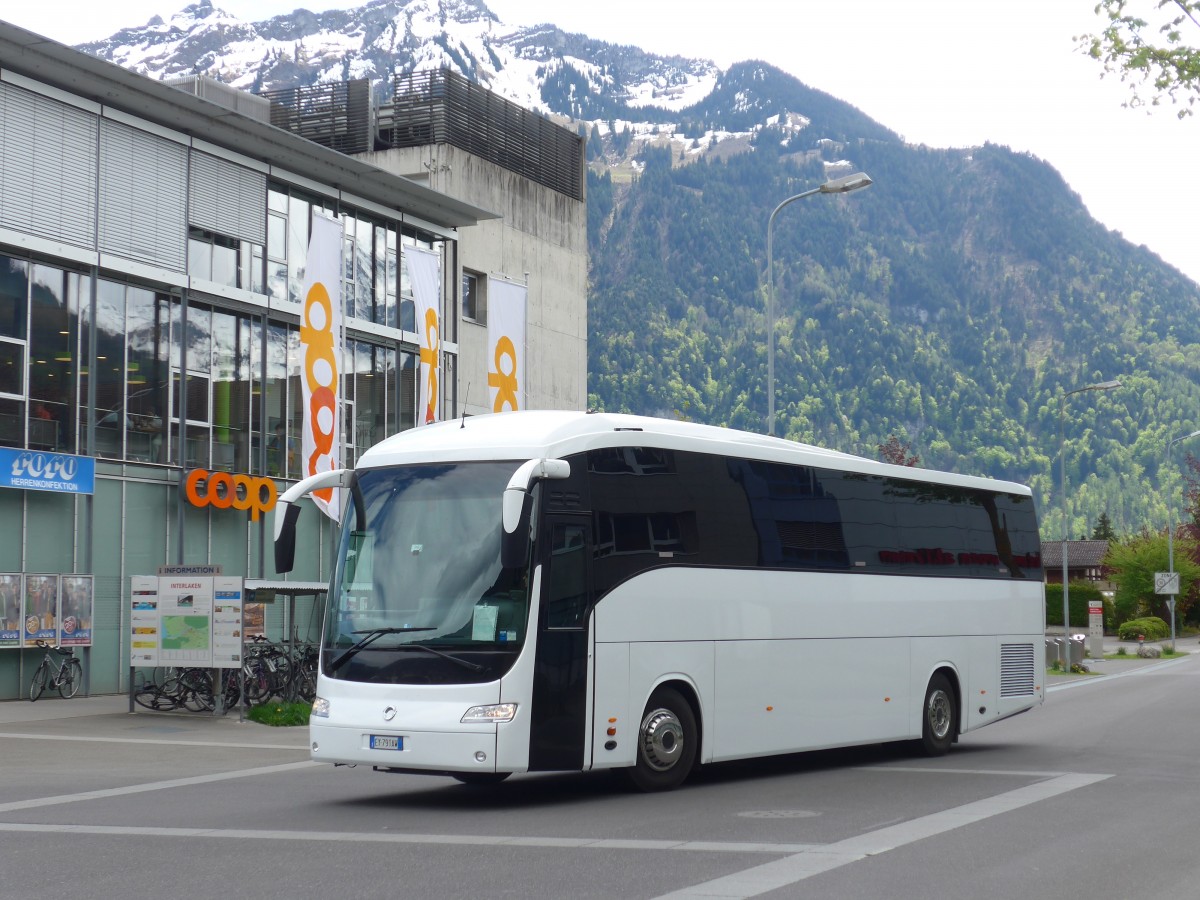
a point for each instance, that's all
(1094, 795)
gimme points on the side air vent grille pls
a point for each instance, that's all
(564, 500)
(1017, 670)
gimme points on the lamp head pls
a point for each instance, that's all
(846, 184)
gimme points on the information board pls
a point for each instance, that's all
(180, 618)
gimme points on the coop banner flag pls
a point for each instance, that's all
(424, 274)
(321, 350)
(506, 345)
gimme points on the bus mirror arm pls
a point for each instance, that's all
(287, 512)
(518, 506)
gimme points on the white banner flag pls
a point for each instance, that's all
(424, 273)
(506, 345)
(321, 350)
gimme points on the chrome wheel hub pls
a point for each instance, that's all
(661, 739)
(938, 714)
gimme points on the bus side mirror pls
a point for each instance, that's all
(287, 512)
(518, 507)
(285, 541)
(514, 545)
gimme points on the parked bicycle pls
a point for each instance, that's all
(67, 675)
(171, 688)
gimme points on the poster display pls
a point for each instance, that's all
(40, 618)
(227, 623)
(10, 610)
(256, 620)
(77, 598)
(143, 619)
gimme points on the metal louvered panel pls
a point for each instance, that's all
(1017, 670)
(443, 107)
(47, 167)
(143, 196)
(227, 198)
(334, 114)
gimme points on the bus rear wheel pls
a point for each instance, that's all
(666, 743)
(939, 717)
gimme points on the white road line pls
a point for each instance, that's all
(152, 786)
(374, 837)
(1152, 669)
(787, 871)
(58, 739)
(800, 861)
(929, 770)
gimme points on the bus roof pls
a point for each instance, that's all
(535, 434)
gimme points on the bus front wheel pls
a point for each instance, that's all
(939, 717)
(666, 743)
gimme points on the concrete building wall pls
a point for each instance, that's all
(540, 239)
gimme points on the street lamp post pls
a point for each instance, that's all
(1171, 534)
(1062, 462)
(835, 186)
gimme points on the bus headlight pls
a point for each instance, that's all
(320, 707)
(497, 712)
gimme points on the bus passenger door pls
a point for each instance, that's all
(559, 726)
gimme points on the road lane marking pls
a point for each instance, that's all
(782, 873)
(797, 862)
(1154, 668)
(37, 802)
(58, 739)
(374, 837)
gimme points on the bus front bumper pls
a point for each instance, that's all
(398, 748)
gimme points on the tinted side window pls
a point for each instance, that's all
(567, 599)
(655, 507)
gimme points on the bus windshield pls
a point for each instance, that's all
(420, 596)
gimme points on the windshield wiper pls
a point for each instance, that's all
(371, 634)
(465, 663)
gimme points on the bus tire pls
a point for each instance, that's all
(939, 717)
(480, 779)
(667, 742)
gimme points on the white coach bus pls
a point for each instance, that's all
(541, 591)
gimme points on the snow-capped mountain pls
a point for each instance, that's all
(688, 104)
(384, 36)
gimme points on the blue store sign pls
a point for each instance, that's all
(34, 470)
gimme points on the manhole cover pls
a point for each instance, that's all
(778, 814)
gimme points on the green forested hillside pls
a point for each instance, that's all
(950, 305)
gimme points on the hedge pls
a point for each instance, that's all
(1079, 596)
(1152, 628)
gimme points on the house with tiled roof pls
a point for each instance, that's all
(1084, 561)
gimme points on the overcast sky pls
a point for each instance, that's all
(946, 73)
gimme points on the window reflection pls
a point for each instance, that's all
(205, 387)
(14, 312)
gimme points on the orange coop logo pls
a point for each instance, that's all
(224, 490)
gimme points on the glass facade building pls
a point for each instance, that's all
(152, 254)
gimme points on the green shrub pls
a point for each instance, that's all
(1152, 628)
(280, 714)
(1081, 593)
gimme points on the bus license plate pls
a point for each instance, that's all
(386, 742)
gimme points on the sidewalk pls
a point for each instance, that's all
(107, 718)
(1131, 661)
